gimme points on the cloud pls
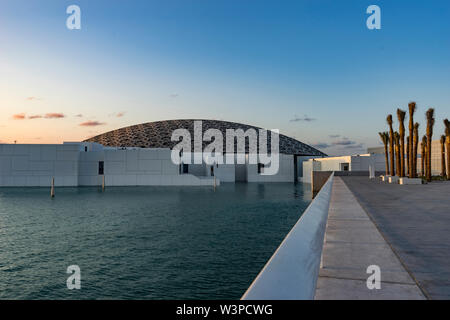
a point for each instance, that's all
(174, 95)
(348, 144)
(334, 136)
(344, 142)
(36, 116)
(19, 116)
(321, 145)
(92, 124)
(33, 98)
(54, 116)
(305, 118)
(22, 116)
(356, 146)
(79, 115)
(117, 114)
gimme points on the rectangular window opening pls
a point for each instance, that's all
(101, 168)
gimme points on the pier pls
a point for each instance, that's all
(404, 230)
(415, 222)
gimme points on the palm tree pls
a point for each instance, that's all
(447, 142)
(424, 154)
(430, 122)
(407, 155)
(397, 153)
(385, 139)
(443, 174)
(414, 148)
(412, 109)
(401, 119)
(391, 144)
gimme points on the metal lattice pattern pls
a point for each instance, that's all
(158, 135)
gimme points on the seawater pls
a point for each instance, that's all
(143, 242)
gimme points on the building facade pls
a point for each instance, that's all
(138, 156)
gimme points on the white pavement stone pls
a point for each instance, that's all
(352, 243)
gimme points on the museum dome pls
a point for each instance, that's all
(158, 135)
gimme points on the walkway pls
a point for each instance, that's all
(415, 221)
(352, 243)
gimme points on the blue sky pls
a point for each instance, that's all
(264, 63)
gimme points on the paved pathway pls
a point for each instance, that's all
(415, 221)
(352, 243)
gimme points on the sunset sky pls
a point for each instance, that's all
(309, 68)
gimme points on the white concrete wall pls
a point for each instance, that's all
(356, 163)
(225, 172)
(300, 161)
(362, 163)
(134, 167)
(292, 271)
(334, 163)
(285, 172)
(77, 164)
(308, 167)
(35, 165)
(435, 158)
(71, 165)
(199, 170)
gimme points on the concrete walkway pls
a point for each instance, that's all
(415, 221)
(352, 243)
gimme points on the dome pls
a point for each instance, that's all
(158, 135)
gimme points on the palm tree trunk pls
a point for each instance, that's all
(385, 139)
(397, 154)
(414, 148)
(412, 109)
(401, 119)
(391, 145)
(443, 173)
(447, 144)
(424, 154)
(430, 123)
(386, 158)
(407, 156)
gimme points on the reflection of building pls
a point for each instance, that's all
(139, 155)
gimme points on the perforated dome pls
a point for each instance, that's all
(158, 135)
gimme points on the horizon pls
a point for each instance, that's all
(313, 70)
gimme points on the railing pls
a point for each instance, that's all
(292, 271)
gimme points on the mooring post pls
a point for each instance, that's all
(52, 190)
(103, 183)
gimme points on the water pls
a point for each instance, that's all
(143, 242)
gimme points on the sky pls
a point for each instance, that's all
(310, 68)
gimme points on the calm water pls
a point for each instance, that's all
(142, 243)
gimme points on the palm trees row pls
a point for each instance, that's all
(394, 145)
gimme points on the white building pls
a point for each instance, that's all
(436, 154)
(356, 163)
(135, 156)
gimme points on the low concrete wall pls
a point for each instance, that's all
(364, 173)
(318, 179)
(293, 270)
